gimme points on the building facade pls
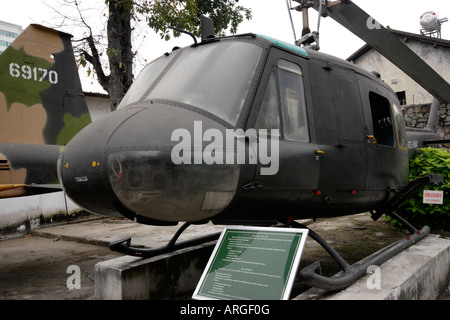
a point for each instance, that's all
(415, 100)
(434, 51)
(8, 32)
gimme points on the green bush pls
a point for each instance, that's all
(428, 161)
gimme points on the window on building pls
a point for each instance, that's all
(8, 34)
(401, 95)
(4, 43)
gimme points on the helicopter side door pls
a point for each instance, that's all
(387, 153)
(285, 111)
(340, 129)
(351, 144)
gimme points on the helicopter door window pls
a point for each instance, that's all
(382, 119)
(269, 116)
(293, 105)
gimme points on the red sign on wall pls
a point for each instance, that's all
(433, 197)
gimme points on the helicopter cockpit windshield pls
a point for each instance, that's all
(215, 77)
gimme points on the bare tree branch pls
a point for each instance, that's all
(110, 50)
(94, 59)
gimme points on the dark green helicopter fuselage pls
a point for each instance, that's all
(242, 129)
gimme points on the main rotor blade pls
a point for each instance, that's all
(390, 46)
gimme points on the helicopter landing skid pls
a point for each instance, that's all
(350, 274)
(124, 246)
(308, 275)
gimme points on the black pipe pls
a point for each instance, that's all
(309, 277)
(124, 245)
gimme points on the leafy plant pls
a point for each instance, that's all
(428, 161)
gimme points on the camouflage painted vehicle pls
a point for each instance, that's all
(42, 106)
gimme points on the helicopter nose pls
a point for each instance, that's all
(81, 164)
(148, 168)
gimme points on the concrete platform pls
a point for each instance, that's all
(168, 276)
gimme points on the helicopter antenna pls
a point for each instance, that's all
(184, 31)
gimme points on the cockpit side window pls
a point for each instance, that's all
(284, 103)
(293, 103)
(269, 115)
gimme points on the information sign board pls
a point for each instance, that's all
(254, 263)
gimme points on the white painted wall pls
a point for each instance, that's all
(16, 212)
(437, 57)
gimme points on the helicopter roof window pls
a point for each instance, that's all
(214, 77)
(146, 80)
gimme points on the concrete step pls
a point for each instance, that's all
(417, 273)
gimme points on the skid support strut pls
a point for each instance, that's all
(350, 274)
(124, 246)
(308, 275)
(409, 191)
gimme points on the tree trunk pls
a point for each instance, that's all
(119, 50)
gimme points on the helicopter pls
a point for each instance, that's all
(250, 130)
